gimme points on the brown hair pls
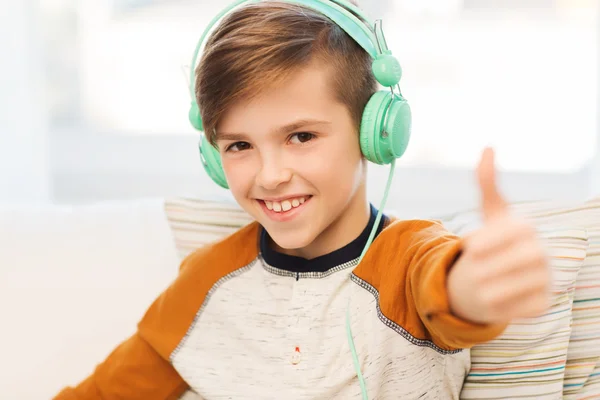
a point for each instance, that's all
(262, 43)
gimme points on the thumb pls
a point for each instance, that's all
(492, 202)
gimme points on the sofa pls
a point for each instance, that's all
(75, 280)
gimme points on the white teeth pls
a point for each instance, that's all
(285, 205)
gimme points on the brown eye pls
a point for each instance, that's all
(302, 137)
(238, 146)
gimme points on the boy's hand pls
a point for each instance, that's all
(503, 271)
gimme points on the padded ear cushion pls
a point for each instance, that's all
(212, 163)
(371, 127)
(398, 124)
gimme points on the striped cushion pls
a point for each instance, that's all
(506, 368)
(197, 222)
(582, 376)
(590, 389)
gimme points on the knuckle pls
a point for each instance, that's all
(548, 283)
(540, 280)
(543, 285)
(472, 247)
(481, 278)
(543, 261)
(491, 302)
(524, 229)
(536, 257)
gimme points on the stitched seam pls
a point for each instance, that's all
(209, 294)
(312, 274)
(394, 326)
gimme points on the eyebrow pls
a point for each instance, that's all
(302, 123)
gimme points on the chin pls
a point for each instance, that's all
(292, 239)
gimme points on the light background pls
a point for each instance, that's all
(94, 100)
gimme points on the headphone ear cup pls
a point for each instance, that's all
(209, 156)
(371, 126)
(392, 115)
(211, 161)
(398, 124)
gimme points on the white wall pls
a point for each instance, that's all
(36, 166)
(94, 166)
(24, 174)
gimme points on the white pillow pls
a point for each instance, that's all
(75, 281)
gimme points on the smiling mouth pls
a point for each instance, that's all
(285, 205)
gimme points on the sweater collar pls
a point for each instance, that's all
(325, 262)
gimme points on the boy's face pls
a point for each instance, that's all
(292, 160)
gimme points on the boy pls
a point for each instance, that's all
(265, 313)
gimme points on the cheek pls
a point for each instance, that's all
(344, 154)
(350, 165)
(336, 167)
(239, 175)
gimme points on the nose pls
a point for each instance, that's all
(273, 173)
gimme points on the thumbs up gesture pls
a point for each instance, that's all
(503, 272)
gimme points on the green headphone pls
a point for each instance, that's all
(386, 122)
